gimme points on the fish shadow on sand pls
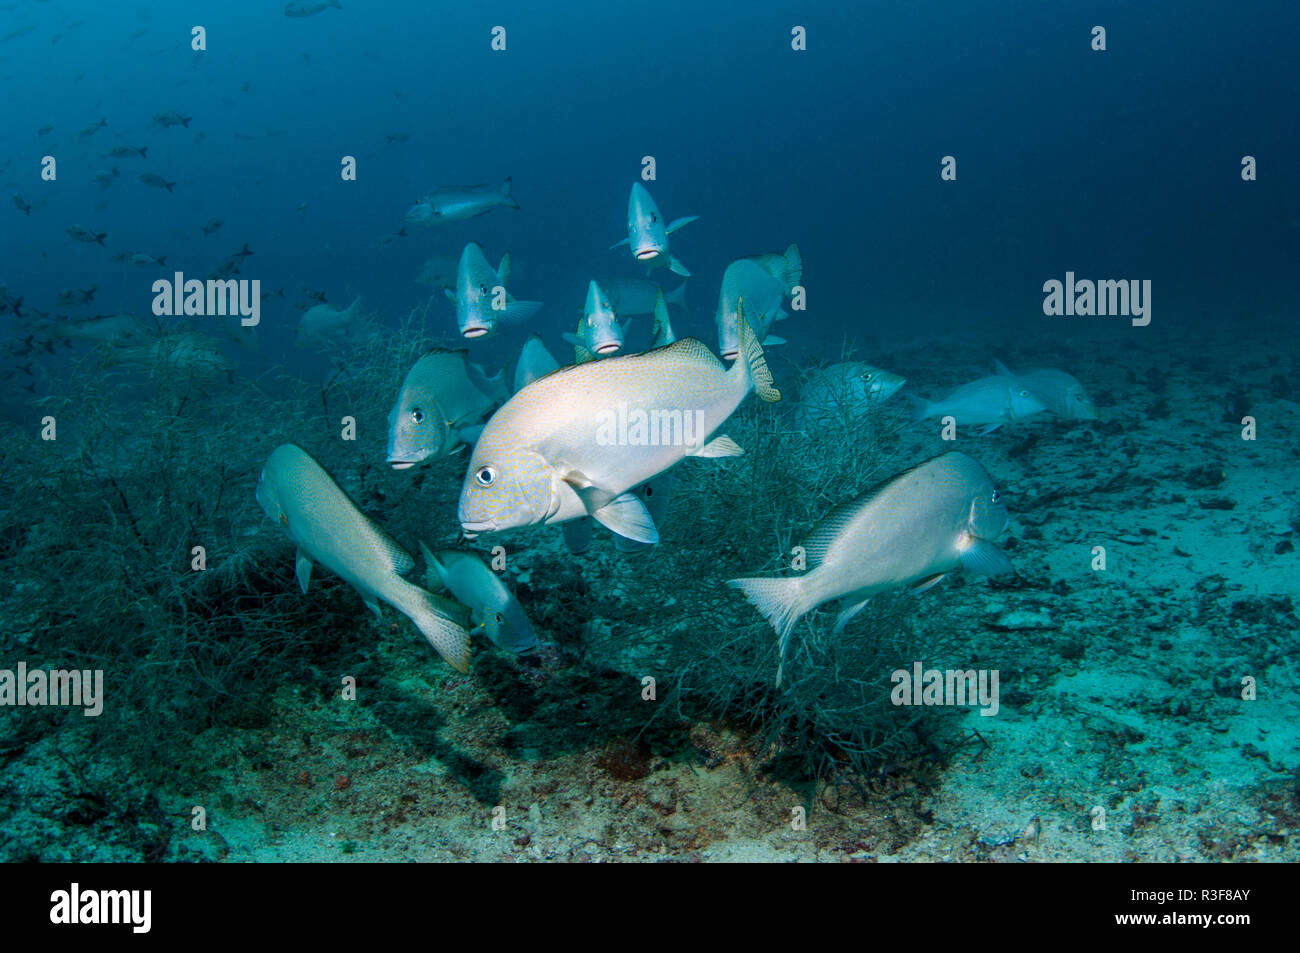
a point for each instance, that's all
(414, 722)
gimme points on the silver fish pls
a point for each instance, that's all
(647, 236)
(105, 328)
(322, 322)
(458, 203)
(155, 181)
(305, 8)
(172, 118)
(759, 284)
(910, 530)
(663, 328)
(71, 296)
(296, 492)
(599, 333)
(442, 402)
(493, 607)
(85, 235)
(439, 271)
(481, 300)
(1061, 393)
(990, 401)
(637, 295)
(188, 351)
(844, 390)
(534, 362)
(575, 442)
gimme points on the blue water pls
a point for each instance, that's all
(1115, 163)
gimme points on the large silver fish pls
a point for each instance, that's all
(481, 300)
(326, 526)
(493, 607)
(989, 401)
(647, 235)
(911, 530)
(443, 400)
(844, 390)
(758, 285)
(576, 442)
(1062, 394)
(458, 203)
(322, 322)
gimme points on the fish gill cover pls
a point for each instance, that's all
(953, 519)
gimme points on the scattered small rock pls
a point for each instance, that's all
(1022, 619)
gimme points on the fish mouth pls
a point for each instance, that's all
(402, 464)
(475, 332)
(730, 355)
(645, 254)
(470, 530)
(607, 348)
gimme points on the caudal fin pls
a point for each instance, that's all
(792, 273)
(507, 194)
(443, 632)
(752, 353)
(921, 408)
(781, 601)
(677, 296)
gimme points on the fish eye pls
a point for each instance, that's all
(996, 496)
(501, 620)
(417, 415)
(648, 490)
(482, 289)
(1024, 393)
(867, 376)
(486, 476)
(654, 217)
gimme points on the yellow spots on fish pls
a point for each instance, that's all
(284, 519)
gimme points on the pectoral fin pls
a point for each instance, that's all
(847, 615)
(679, 222)
(926, 583)
(617, 244)
(719, 446)
(517, 312)
(677, 268)
(983, 557)
(302, 569)
(372, 603)
(627, 516)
